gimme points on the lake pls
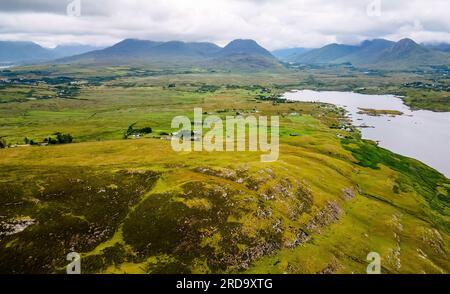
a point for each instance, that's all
(422, 134)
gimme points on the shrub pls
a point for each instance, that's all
(131, 130)
(64, 138)
(60, 139)
(146, 130)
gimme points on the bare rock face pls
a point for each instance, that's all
(300, 238)
(14, 226)
(329, 214)
(348, 194)
(331, 268)
(433, 240)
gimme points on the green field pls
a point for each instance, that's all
(136, 206)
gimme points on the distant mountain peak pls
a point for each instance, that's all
(131, 42)
(242, 42)
(245, 46)
(372, 42)
(407, 46)
(378, 53)
(242, 55)
(128, 40)
(407, 41)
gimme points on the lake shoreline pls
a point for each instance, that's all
(407, 134)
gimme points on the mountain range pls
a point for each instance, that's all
(24, 52)
(378, 53)
(241, 55)
(237, 55)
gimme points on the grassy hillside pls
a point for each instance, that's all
(136, 206)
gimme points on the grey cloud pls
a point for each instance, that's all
(89, 7)
(274, 23)
(47, 6)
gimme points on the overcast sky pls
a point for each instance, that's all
(273, 23)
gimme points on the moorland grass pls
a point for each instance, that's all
(137, 206)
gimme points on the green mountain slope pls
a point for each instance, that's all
(380, 54)
(137, 206)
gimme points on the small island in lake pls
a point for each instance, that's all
(378, 112)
